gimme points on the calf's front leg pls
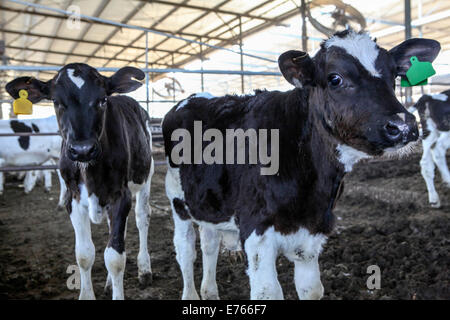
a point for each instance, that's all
(115, 255)
(307, 279)
(262, 254)
(84, 247)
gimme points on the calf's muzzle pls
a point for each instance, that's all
(83, 151)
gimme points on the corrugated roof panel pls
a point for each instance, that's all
(178, 19)
(99, 32)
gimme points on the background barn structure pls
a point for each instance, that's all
(222, 47)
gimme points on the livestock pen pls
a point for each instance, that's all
(383, 219)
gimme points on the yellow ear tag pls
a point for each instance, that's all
(22, 105)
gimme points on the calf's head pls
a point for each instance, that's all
(80, 97)
(351, 84)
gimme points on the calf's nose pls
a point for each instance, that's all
(394, 130)
(401, 131)
(83, 151)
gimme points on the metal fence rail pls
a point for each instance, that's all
(155, 138)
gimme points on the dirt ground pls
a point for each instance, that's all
(383, 220)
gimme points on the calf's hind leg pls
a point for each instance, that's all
(143, 212)
(427, 169)
(210, 243)
(184, 234)
(442, 144)
(184, 241)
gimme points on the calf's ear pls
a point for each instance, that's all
(297, 68)
(122, 81)
(423, 49)
(37, 90)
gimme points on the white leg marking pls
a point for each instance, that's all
(184, 236)
(96, 212)
(303, 248)
(48, 180)
(262, 252)
(210, 243)
(307, 279)
(62, 190)
(30, 180)
(48, 175)
(115, 263)
(143, 212)
(108, 284)
(427, 169)
(84, 248)
(184, 241)
(442, 144)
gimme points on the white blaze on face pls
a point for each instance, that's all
(78, 81)
(361, 47)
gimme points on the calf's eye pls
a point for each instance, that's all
(334, 80)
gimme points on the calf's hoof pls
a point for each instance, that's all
(209, 295)
(107, 290)
(145, 280)
(435, 205)
(315, 293)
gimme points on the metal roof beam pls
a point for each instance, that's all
(236, 38)
(247, 33)
(56, 30)
(190, 6)
(114, 32)
(56, 16)
(190, 23)
(32, 34)
(98, 11)
(79, 55)
(143, 33)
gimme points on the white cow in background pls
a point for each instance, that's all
(31, 150)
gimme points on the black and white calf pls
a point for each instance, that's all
(105, 156)
(33, 150)
(344, 109)
(434, 112)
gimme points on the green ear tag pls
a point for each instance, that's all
(405, 83)
(22, 105)
(419, 71)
